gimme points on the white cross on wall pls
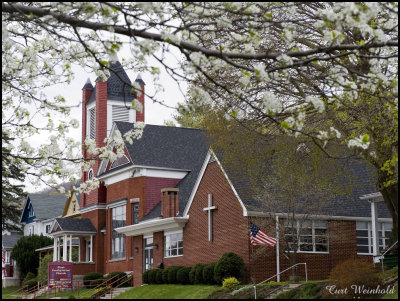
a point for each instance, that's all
(209, 208)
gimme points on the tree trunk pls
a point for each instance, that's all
(391, 198)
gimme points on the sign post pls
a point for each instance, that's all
(60, 275)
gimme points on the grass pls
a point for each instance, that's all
(169, 291)
(82, 291)
(5, 291)
(395, 294)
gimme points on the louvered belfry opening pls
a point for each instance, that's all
(120, 113)
(92, 116)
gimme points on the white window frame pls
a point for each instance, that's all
(313, 222)
(381, 235)
(169, 233)
(118, 235)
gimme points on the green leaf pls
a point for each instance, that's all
(31, 15)
(285, 125)
(234, 113)
(365, 138)
(105, 63)
(268, 15)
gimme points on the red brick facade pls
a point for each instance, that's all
(230, 230)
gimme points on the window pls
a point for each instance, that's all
(30, 211)
(90, 174)
(148, 253)
(118, 219)
(47, 228)
(92, 123)
(364, 236)
(31, 230)
(135, 213)
(311, 236)
(74, 206)
(173, 244)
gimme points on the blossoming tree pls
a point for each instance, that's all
(323, 71)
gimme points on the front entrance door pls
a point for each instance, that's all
(148, 253)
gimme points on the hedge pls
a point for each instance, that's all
(208, 273)
(87, 279)
(182, 276)
(229, 265)
(119, 278)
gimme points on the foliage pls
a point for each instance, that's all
(353, 272)
(43, 268)
(229, 265)
(71, 297)
(230, 282)
(286, 295)
(100, 292)
(208, 273)
(172, 271)
(31, 283)
(12, 194)
(159, 279)
(310, 291)
(88, 279)
(198, 273)
(165, 275)
(145, 277)
(121, 277)
(26, 256)
(152, 276)
(28, 277)
(182, 276)
(192, 274)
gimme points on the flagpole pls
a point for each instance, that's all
(278, 276)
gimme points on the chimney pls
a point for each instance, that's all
(140, 115)
(101, 113)
(169, 202)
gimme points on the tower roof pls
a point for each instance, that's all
(88, 85)
(118, 85)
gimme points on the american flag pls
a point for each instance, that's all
(259, 237)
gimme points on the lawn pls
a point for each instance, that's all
(5, 291)
(169, 291)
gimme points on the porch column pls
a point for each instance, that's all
(55, 249)
(91, 248)
(58, 248)
(79, 251)
(374, 223)
(70, 248)
(65, 248)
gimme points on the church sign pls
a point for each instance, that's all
(60, 274)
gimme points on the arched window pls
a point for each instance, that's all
(90, 174)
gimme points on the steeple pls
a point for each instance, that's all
(88, 85)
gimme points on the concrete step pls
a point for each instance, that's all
(283, 289)
(116, 292)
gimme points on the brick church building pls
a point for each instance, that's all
(169, 200)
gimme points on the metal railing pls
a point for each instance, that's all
(255, 286)
(383, 255)
(108, 282)
(129, 279)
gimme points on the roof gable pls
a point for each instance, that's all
(72, 205)
(44, 206)
(83, 225)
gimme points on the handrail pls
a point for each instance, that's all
(129, 278)
(92, 292)
(255, 286)
(111, 284)
(383, 255)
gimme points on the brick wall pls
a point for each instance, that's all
(153, 190)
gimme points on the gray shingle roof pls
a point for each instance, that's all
(118, 85)
(76, 224)
(169, 147)
(9, 241)
(47, 206)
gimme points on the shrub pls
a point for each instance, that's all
(28, 277)
(286, 295)
(208, 273)
(192, 274)
(229, 265)
(353, 272)
(26, 256)
(43, 268)
(172, 271)
(89, 277)
(152, 276)
(165, 276)
(230, 282)
(182, 276)
(119, 278)
(198, 273)
(145, 277)
(159, 274)
(71, 297)
(31, 283)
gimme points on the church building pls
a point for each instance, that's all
(170, 200)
